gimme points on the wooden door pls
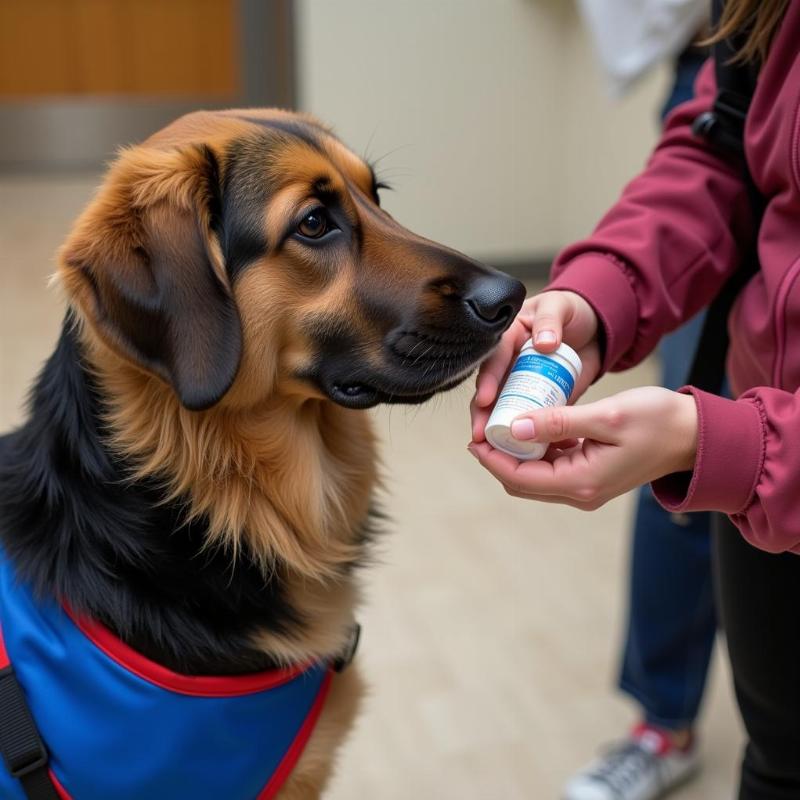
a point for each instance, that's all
(134, 48)
(78, 78)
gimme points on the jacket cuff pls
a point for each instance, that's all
(604, 283)
(730, 457)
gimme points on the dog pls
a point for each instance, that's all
(188, 504)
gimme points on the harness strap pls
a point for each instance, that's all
(345, 658)
(21, 746)
(38, 786)
(723, 128)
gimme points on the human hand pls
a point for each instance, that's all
(603, 448)
(548, 318)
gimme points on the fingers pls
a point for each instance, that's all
(493, 371)
(625, 441)
(590, 369)
(546, 318)
(552, 420)
(550, 313)
(602, 421)
(566, 479)
(479, 416)
(556, 448)
(538, 478)
(561, 501)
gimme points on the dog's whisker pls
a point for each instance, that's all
(377, 161)
(422, 355)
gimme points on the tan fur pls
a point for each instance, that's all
(269, 474)
(314, 768)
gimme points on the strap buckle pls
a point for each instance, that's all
(343, 661)
(723, 126)
(704, 124)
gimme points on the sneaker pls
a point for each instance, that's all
(643, 767)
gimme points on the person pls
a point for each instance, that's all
(671, 619)
(658, 256)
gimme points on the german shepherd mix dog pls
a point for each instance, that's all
(183, 513)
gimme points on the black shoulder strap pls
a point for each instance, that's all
(723, 128)
(21, 746)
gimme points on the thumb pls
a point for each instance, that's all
(590, 421)
(549, 315)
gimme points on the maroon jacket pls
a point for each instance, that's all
(664, 250)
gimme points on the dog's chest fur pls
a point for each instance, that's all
(79, 528)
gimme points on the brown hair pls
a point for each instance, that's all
(756, 21)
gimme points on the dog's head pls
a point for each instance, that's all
(240, 254)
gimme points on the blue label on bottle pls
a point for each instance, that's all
(548, 368)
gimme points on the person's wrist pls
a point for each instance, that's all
(686, 429)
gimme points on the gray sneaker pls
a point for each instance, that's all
(643, 767)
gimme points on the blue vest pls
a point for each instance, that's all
(117, 725)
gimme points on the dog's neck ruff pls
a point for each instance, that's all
(116, 724)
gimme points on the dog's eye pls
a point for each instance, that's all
(314, 225)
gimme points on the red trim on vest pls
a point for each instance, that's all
(288, 762)
(60, 790)
(294, 752)
(4, 660)
(194, 685)
(204, 686)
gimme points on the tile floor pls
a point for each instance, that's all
(492, 624)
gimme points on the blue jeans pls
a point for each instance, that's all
(672, 620)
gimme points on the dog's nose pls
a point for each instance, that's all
(494, 301)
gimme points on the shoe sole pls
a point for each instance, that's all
(687, 776)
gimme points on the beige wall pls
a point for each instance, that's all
(603, 142)
(501, 140)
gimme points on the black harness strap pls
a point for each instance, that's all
(345, 658)
(723, 128)
(21, 746)
(38, 786)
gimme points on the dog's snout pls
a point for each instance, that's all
(495, 301)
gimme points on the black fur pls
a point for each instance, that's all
(78, 529)
(306, 132)
(245, 192)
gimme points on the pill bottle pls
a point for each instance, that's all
(537, 380)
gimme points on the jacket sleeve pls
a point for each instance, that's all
(747, 466)
(667, 246)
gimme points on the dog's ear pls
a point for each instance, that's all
(145, 266)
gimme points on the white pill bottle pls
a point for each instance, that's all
(537, 380)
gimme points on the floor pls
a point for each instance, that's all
(491, 624)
